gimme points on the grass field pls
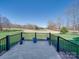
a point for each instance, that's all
(13, 39)
(30, 36)
(73, 37)
(69, 36)
(67, 42)
(3, 34)
(64, 44)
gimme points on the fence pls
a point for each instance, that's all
(14, 39)
(62, 45)
(2, 45)
(28, 36)
(7, 42)
(38, 36)
(70, 49)
(10, 40)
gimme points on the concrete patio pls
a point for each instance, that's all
(29, 50)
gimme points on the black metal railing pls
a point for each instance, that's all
(2, 45)
(42, 36)
(66, 47)
(14, 39)
(7, 42)
(70, 49)
(28, 36)
(38, 36)
(54, 40)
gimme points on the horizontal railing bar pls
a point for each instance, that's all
(15, 34)
(34, 33)
(65, 39)
(2, 38)
(9, 35)
(68, 41)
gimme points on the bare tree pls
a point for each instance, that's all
(52, 25)
(58, 21)
(73, 13)
(0, 24)
(6, 22)
(31, 26)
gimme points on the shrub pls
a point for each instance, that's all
(63, 30)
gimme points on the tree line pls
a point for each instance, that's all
(5, 24)
(71, 14)
(72, 18)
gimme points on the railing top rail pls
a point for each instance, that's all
(9, 35)
(54, 35)
(68, 41)
(35, 32)
(14, 34)
(2, 38)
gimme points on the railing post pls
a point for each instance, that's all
(21, 35)
(22, 38)
(49, 39)
(77, 52)
(7, 43)
(58, 43)
(35, 35)
(50, 36)
(35, 38)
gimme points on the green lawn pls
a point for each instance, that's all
(3, 34)
(30, 36)
(65, 44)
(71, 37)
(14, 38)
